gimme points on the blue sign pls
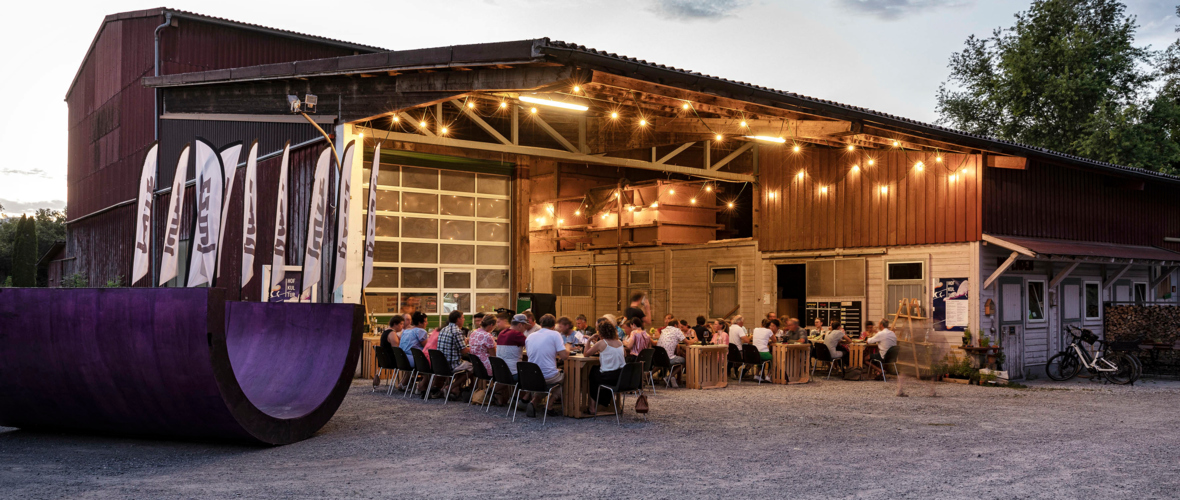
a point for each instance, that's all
(952, 311)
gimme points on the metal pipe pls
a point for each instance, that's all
(156, 131)
(619, 249)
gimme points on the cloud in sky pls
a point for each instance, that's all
(896, 9)
(36, 172)
(20, 207)
(697, 10)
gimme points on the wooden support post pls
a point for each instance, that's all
(1106, 286)
(1063, 274)
(1000, 270)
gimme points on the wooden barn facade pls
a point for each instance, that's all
(547, 167)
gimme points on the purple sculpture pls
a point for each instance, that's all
(178, 362)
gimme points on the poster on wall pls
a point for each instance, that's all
(951, 309)
(289, 286)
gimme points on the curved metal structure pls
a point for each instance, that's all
(173, 362)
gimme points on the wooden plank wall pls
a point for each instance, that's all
(920, 207)
(1052, 201)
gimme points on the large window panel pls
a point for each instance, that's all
(492, 184)
(424, 302)
(488, 302)
(420, 178)
(456, 254)
(463, 230)
(492, 208)
(415, 227)
(387, 201)
(491, 278)
(1093, 301)
(457, 181)
(384, 277)
(419, 277)
(456, 301)
(463, 206)
(385, 251)
(420, 203)
(420, 253)
(383, 303)
(388, 176)
(492, 231)
(456, 280)
(386, 226)
(492, 256)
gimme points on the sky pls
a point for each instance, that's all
(886, 55)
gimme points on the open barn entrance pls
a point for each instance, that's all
(792, 290)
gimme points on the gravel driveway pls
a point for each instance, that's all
(820, 440)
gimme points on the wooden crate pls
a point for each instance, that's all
(706, 367)
(791, 363)
(369, 359)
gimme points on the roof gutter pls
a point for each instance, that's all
(275, 32)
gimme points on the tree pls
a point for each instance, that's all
(1066, 76)
(24, 253)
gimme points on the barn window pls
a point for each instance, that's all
(1140, 293)
(723, 291)
(574, 282)
(1036, 301)
(1092, 300)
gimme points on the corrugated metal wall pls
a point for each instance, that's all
(918, 207)
(174, 134)
(110, 125)
(1052, 201)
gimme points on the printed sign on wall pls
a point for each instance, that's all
(951, 304)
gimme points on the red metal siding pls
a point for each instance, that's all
(1051, 201)
(920, 207)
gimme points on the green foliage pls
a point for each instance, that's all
(967, 334)
(115, 282)
(76, 280)
(955, 367)
(24, 254)
(50, 227)
(1069, 77)
(7, 283)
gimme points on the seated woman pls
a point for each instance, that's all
(832, 341)
(720, 332)
(637, 340)
(392, 337)
(611, 356)
(765, 336)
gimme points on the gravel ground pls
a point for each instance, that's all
(825, 439)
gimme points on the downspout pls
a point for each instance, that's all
(156, 127)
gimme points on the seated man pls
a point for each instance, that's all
(884, 339)
(452, 345)
(794, 332)
(570, 336)
(670, 339)
(832, 340)
(545, 348)
(414, 337)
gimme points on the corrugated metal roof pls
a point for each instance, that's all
(1048, 248)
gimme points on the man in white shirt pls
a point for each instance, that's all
(737, 332)
(885, 340)
(544, 348)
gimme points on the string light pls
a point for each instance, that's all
(503, 105)
(540, 220)
(744, 124)
(693, 201)
(604, 216)
(396, 119)
(770, 195)
(561, 221)
(533, 111)
(577, 88)
(730, 204)
(884, 189)
(953, 177)
(938, 159)
(851, 147)
(796, 148)
(577, 212)
(671, 191)
(709, 188)
(549, 209)
(896, 144)
(855, 168)
(655, 204)
(684, 106)
(630, 208)
(614, 115)
(361, 136)
(642, 122)
(800, 175)
(718, 137)
(919, 166)
(470, 105)
(871, 162)
(823, 190)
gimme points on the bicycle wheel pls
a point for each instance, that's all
(1138, 365)
(1063, 366)
(1124, 369)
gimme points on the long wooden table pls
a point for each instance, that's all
(791, 363)
(705, 366)
(575, 389)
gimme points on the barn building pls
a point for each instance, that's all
(539, 166)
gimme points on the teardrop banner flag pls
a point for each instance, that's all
(141, 263)
(370, 229)
(343, 199)
(316, 223)
(169, 255)
(229, 162)
(278, 259)
(202, 262)
(250, 214)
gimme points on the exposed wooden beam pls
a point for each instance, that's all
(1165, 273)
(1110, 281)
(415, 123)
(1000, 270)
(731, 127)
(565, 143)
(1010, 162)
(732, 156)
(1064, 273)
(675, 152)
(987, 238)
(480, 122)
(557, 154)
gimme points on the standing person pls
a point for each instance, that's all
(794, 332)
(611, 358)
(884, 339)
(737, 332)
(532, 324)
(481, 342)
(569, 336)
(640, 308)
(545, 348)
(453, 347)
(637, 339)
(703, 333)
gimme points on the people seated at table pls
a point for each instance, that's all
(453, 347)
(737, 332)
(771, 315)
(720, 334)
(838, 328)
(702, 331)
(570, 336)
(763, 337)
(415, 336)
(510, 342)
(640, 309)
(637, 339)
(884, 339)
(794, 332)
(614, 321)
(818, 327)
(545, 348)
(532, 326)
(688, 332)
(581, 327)
(481, 342)
(869, 330)
(393, 334)
(503, 322)
(611, 358)
(670, 339)
(832, 339)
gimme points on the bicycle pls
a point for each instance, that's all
(1066, 364)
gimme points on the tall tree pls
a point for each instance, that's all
(24, 254)
(1066, 76)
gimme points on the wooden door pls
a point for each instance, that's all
(1012, 324)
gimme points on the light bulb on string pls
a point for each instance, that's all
(938, 159)
(744, 124)
(919, 166)
(684, 106)
(672, 191)
(655, 204)
(708, 188)
(871, 162)
(533, 110)
(823, 190)
(614, 115)
(896, 144)
(796, 148)
(855, 168)
(718, 137)
(577, 88)
(851, 147)
(800, 174)
(884, 189)
(470, 105)
(443, 131)
(396, 119)
(503, 105)
(642, 122)
(730, 204)
(693, 201)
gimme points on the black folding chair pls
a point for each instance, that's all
(751, 356)
(501, 375)
(403, 367)
(533, 380)
(440, 368)
(421, 367)
(630, 381)
(661, 360)
(479, 372)
(384, 362)
(820, 352)
(889, 359)
(735, 361)
(646, 357)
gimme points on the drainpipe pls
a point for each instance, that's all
(156, 125)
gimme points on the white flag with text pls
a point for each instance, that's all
(229, 162)
(250, 214)
(202, 264)
(278, 259)
(142, 261)
(170, 254)
(370, 226)
(316, 222)
(343, 199)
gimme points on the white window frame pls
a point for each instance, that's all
(1028, 301)
(1085, 305)
(1147, 292)
(737, 285)
(892, 308)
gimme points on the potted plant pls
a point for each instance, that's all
(966, 337)
(984, 342)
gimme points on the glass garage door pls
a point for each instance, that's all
(442, 241)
